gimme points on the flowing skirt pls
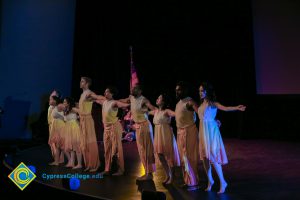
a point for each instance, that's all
(165, 143)
(211, 144)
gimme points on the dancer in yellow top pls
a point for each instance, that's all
(139, 106)
(187, 136)
(112, 129)
(90, 146)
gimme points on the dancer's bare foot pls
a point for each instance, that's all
(61, 161)
(192, 188)
(77, 167)
(105, 173)
(209, 185)
(222, 187)
(69, 165)
(86, 169)
(118, 173)
(93, 170)
(54, 163)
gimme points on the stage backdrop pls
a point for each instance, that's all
(36, 53)
(276, 27)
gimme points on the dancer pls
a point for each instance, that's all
(139, 106)
(90, 146)
(52, 104)
(72, 134)
(56, 139)
(212, 150)
(112, 129)
(187, 136)
(165, 146)
(51, 107)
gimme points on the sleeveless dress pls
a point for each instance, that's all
(56, 137)
(72, 133)
(164, 139)
(211, 144)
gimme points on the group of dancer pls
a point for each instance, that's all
(68, 137)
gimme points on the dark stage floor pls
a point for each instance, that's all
(257, 169)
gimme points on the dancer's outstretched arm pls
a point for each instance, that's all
(230, 108)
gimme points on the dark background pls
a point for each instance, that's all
(171, 42)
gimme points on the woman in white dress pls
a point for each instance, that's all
(211, 147)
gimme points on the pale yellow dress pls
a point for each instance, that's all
(72, 133)
(56, 137)
(164, 139)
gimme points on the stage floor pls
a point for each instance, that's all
(257, 169)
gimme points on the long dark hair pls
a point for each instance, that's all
(210, 92)
(167, 101)
(113, 90)
(71, 103)
(56, 99)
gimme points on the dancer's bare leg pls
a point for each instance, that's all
(223, 183)
(56, 156)
(72, 160)
(61, 157)
(167, 169)
(68, 155)
(207, 168)
(79, 161)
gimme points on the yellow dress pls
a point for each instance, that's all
(56, 138)
(164, 139)
(72, 133)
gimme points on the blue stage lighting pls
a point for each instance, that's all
(74, 183)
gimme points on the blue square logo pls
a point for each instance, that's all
(22, 176)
